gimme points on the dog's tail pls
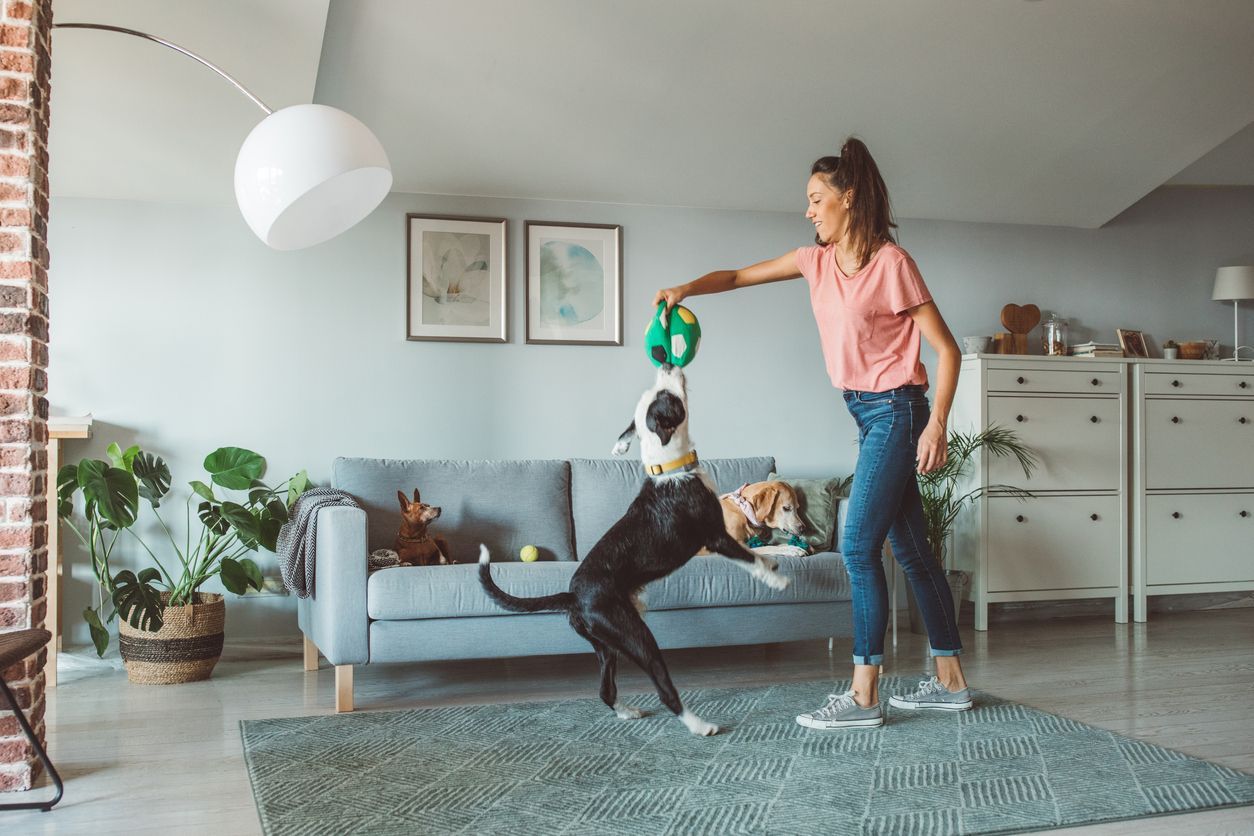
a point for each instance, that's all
(561, 601)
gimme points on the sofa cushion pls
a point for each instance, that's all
(412, 592)
(503, 504)
(602, 490)
(817, 500)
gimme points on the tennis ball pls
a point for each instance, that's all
(676, 342)
(529, 554)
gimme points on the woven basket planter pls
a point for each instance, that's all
(185, 649)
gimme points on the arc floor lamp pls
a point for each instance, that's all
(305, 173)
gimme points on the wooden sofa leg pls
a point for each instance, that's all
(343, 688)
(311, 655)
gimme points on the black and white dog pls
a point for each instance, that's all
(676, 513)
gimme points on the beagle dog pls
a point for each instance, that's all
(758, 507)
(676, 512)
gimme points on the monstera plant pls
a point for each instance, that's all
(225, 530)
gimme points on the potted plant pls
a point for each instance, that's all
(942, 491)
(1171, 349)
(170, 631)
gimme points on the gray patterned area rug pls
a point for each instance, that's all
(574, 767)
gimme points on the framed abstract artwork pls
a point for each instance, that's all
(574, 283)
(455, 286)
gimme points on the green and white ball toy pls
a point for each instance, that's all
(676, 342)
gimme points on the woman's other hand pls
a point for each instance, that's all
(933, 448)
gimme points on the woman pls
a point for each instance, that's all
(872, 306)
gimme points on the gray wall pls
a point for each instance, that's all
(181, 332)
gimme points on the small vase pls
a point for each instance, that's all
(1170, 353)
(185, 649)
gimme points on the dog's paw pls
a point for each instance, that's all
(627, 712)
(769, 564)
(698, 726)
(776, 582)
(620, 448)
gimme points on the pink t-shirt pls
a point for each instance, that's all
(869, 341)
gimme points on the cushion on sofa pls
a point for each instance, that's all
(818, 499)
(454, 591)
(602, 489)
(503, 504)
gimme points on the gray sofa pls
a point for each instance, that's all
(416, 614)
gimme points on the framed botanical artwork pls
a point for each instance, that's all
(1132, 343)
(455, 285)
(574, 284)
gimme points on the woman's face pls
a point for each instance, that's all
(827, 209)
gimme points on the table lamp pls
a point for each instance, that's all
(1234, 284)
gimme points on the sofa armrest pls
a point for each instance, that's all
(334, 616)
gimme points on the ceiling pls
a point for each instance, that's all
(1060, 112)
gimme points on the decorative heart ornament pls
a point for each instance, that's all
(1020, 319)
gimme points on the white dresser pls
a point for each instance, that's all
(1193, 478)
(1070, 540)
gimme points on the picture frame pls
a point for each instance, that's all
(574, 283)
(456, 278)
(1132, 343)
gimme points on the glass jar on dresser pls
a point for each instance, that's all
(1069, 539)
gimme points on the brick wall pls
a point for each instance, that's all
(24, 86)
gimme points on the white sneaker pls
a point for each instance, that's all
(841, 712)
(931, 694)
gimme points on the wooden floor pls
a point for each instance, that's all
(140, 759)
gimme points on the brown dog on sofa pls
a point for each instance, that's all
(758, 507)
(414, 545)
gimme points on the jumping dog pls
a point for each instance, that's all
(676, 513)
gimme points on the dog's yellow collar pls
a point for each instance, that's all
(685, 461)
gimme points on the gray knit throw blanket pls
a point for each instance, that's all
(298, 538)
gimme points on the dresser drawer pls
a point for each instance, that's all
(1199, 444)
(1077, 441)
(1069, 381)
(1053, 543)
(1187, 384)
(1199, 538)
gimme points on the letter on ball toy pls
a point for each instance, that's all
(675, 342)
(529, 554)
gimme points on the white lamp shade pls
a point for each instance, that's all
(1233, 283)
(308, 172)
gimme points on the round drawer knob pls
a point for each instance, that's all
(1175, 515)
(1096, 382)
(1175, 419)
(1245, 513)
(1095, 419)
(1020, 418)
(1093, 517)
(1019, 518)
(1244, 385)
(1243, 420)
(1021, 380)
(1175, 383)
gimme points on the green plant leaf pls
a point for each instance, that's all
(111, 490)
(137, 600)
(122, 460)
(296, 486)
(99, 635)
(153, 475)
(242, 520)
(270, 527)
(211, 516)
(234, 468)
(238, 576)
(67, 485)
(203, 490)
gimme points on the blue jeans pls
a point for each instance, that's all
(885, 502)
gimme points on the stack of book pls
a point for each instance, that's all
(1092, 349)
